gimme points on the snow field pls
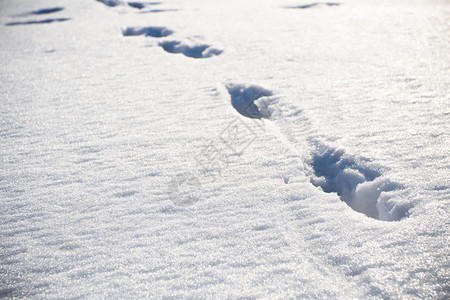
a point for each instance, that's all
(237, 150)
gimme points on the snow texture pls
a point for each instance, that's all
(241, 149)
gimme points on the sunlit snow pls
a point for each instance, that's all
(225, 149)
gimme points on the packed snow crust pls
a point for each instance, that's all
(235, 149)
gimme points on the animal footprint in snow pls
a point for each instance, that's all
(363, 188)
(190, 49)
(43, 11)
(141, 5)
(250, 100)
(111, 3)
(305, 6)
(147, 31)
(33, 22)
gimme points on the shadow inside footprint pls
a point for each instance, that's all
(194, 51)
(137, 5)
(46, 11)
(141, 5)
(110, 3)
(243, 99)
(46, 21)
(147, 31)
(356, 184)
(159, 10)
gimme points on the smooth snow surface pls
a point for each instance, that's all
(235, 149)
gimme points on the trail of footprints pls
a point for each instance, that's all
(188, 48)
(44, 11)
(145, 7)
(352, 178)
(331, 170)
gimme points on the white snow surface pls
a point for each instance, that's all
(226, 149)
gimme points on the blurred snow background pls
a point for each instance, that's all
(257, 149)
